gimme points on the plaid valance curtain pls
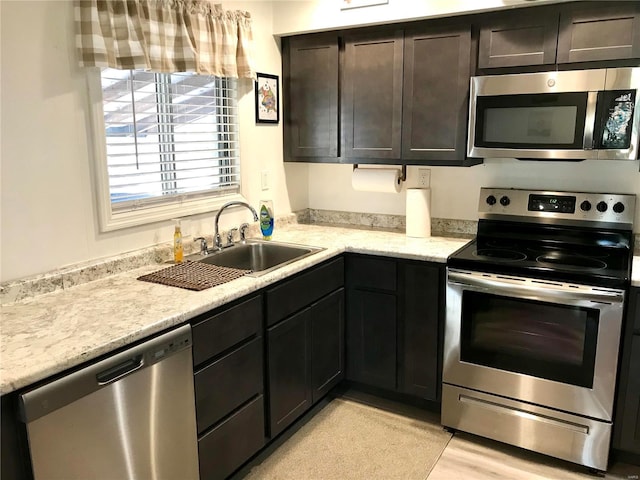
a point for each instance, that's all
(164, 36)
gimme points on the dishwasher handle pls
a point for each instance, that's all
(121, 370)
(62, 391)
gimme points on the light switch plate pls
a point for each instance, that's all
(264, 179)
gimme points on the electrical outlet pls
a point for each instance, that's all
(264, 179)
(424, 177)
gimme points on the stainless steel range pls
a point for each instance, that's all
(534, 313)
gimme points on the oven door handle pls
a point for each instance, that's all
(536, 288)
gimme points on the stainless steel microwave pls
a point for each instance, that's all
(569, 115)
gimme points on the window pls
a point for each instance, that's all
(171, 146)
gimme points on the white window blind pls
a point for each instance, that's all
(169, 137)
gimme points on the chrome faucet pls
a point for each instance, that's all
(216, 236)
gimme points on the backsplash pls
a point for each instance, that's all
(73, 275)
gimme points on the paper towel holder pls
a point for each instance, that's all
(403, 174)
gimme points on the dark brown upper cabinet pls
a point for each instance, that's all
(576, 32)
(599, 31)
(372, 96)
(311, 112)
(435, 94)
(518, 38)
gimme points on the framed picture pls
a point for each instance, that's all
(347, 4)
(267, 98)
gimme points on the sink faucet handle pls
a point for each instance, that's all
(243, 229)
(204, 249)
(230, 235)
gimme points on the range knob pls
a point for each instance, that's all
(618, 207)
(491, 200)
(504, 201)
(602, 207)
(585, 206)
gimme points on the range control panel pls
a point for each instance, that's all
(547, 205)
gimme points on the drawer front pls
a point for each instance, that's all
(233, 442)
(228, 383)
(215, 334)
(371, 272)
(292, 295)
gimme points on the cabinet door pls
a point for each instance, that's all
(630, 422)
(520, 38)
(371, 338)
(327, 333)
(289, 369)
(419, 372)
(593, 32)
(372, 100)
(311, 111)
(436, 93)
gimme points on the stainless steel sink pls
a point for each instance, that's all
(260, 256)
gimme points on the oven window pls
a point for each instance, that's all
(531, 121)
(545, 340)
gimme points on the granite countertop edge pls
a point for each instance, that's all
(48, 334)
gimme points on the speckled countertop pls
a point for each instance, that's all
(50, 333)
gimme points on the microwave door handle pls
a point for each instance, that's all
(590, 120)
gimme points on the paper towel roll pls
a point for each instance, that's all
(418, 212)
(385, 180)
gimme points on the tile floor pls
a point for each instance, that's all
(461, 457)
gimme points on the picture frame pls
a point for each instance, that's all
(348, 4)
(267, 97)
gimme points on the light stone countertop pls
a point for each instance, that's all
(49, 333)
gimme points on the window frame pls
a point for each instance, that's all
(110, 219)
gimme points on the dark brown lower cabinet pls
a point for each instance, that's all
(305, 359)
(228, 348)
(371, 338)
(289, 368)
(327, 344)
(393, 325)
(231, 443)
(419, 369)
(626, 425)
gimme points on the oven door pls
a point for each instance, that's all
(542, 342)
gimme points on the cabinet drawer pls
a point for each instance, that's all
(292, 295)
(233, 442)
(370, 272)
(215, 334)
(228, 383)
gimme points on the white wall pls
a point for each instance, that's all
(302, 16)
(48, 209)
(455, 190)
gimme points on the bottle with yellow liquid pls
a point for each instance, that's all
(178, 251)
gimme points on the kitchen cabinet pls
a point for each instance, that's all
(372, 96)
(605, 31)
(393, 332)
(517, 38)
(371, 321)
(435, 100)
(305, 341)
(626, 430)
(547, 36)
(228, 380)
(311, 66)
(421, 329)
(402, 95)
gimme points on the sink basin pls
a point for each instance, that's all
(260, 256)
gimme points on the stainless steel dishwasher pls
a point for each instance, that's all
(129, 416)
